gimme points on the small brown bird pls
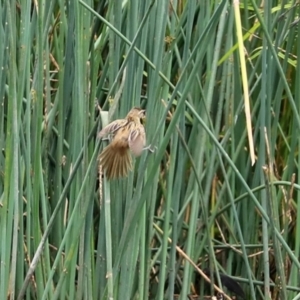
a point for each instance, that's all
(126, 134)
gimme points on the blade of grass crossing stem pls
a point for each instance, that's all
(252, 196)
(74, 224)
(61, 200)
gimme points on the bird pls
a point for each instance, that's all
(126, 135)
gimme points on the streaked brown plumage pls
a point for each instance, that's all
(127, 134)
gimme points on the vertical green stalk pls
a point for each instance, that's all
(142, 255)
(37, 101)
(14, 192)
(274, 224)
(167, 217)
(293, 280)
(109, 269)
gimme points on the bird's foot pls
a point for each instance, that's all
(150, 148)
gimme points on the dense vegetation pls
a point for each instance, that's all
(219, 82)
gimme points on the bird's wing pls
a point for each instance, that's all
(137, 140)
(112, 127)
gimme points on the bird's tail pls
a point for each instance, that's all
(115, 161)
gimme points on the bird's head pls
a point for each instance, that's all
(136, 112)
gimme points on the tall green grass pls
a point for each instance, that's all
(220, 191)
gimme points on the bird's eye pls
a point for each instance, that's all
(142, 113)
